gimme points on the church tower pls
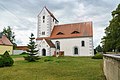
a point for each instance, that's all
(46, 22)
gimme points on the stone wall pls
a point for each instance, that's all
(112, 66)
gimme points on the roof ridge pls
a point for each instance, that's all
(50, 13)
(74, 23)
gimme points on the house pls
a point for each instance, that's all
(74, 39)
(24, 48)
(5, 45)
(20, 49)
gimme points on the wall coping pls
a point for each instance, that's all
(114, 56)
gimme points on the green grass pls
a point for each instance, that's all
(63, 68)
(18, 56)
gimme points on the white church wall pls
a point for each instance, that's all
(52, 51)
(67, 45)
(42, 44)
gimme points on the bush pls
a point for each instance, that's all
(98, 56)
(1, 62)
(24, 53)
(31, 58)
(48, 59)
(6, 60)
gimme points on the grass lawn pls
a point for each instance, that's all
(63, 68)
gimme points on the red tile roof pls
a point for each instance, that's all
(22, 48)
(50, 43)
(83, 29)
(5, 41)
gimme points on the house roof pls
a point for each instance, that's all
(22, 48)
(83, 29)
(74, 30)
(50, 43)
(5, 41)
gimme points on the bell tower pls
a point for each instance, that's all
(46, 22)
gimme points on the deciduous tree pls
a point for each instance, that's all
(10, 35)
(111, 41)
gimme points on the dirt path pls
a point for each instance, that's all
(18, 59)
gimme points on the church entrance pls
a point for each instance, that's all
(43, 52)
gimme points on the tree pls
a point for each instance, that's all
(10, 35)
(32, 50)
(98, 48)
(111, 41)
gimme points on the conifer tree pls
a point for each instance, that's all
(31, 46)
(32, 52)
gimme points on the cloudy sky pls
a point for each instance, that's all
(21, 15)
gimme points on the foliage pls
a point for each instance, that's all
(6, 60)
(111, 41)
(31, 58)
(10, 35)
(1, 62)
(98, 48)
(24, 53)
(98, 56)
(32, 52)
(95, 51)
(48, 59)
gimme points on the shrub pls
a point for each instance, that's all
(98, 56)
(48, 59)
(1, 62)
(24, 53)
(6, 60)
(31, 58)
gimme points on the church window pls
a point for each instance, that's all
(82, 43)
(57, 45)
(43, 33)
(60, 33)
(75, 50)
(43, 21)
(75, 32)
(43, 17)
(53, 19)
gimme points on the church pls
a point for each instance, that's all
(75, 39)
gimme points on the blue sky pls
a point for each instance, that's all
(21, 15)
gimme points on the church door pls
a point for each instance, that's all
(43, 52)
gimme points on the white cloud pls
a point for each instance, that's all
(22, 15)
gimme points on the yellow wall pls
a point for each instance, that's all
(4, 48)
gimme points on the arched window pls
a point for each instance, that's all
(57, 45)
(43, 19)
(75, 50)
(82, 43)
